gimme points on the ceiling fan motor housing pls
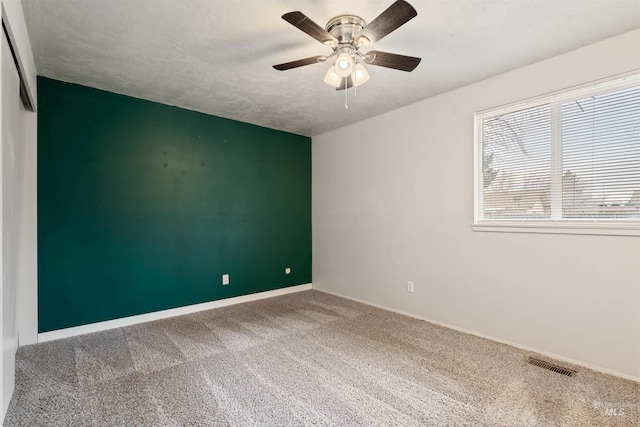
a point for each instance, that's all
(345, 27)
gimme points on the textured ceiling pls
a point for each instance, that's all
(215, 56)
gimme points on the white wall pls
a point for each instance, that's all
(27, 252)
(393, 201)
(11, 167)
(18, 226)
(28, 248)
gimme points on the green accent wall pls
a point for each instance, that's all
(143, 206)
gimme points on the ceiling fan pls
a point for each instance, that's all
(346, 34)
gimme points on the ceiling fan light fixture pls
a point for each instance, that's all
(345, 35)
(332, 78)
(360, 75)
(344, 64)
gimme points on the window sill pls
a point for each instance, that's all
(613, 229)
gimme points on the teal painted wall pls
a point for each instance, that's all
(142, 206)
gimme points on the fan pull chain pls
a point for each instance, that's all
(353, 78)
(346, 98)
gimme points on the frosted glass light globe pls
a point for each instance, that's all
(344, 65)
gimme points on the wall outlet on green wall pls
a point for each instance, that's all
(225, 279)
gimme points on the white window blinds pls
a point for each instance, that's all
(572, 156)
(601, 156)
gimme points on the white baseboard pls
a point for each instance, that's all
(498, 340)
(157, 315)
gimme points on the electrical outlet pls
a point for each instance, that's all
(287, 270)
(410, 287)
(225, 279)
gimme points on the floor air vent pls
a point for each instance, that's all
(551, 367)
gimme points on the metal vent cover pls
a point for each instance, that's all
(551, 367)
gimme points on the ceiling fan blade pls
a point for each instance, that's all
(300, 62)
(302, 22)
(392, 60)
(348, 81)
(395, 16)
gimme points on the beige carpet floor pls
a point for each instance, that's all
(307, 358)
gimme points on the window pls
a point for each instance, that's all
(568, 162)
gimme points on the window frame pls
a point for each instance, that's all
(554, 225)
